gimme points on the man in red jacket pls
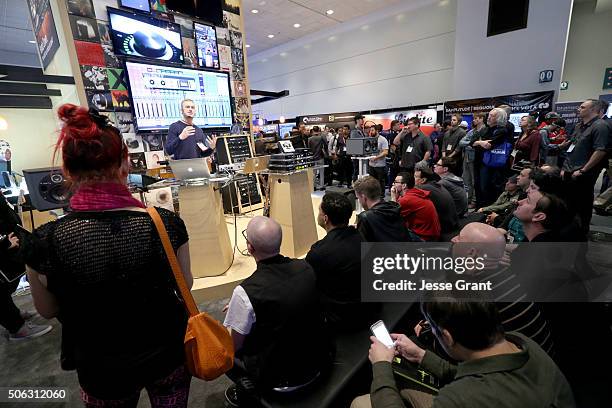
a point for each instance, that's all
(417, 209)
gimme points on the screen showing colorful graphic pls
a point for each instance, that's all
(206, 43)
(138, 35)
(157, 92)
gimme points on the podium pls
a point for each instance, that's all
(200, 206)
(291, 207)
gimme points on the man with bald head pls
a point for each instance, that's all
(481, 240)
(274, 319)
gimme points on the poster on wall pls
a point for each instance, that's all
(44, 30)
(231, 21)
(84, 29)
(428, 117)
(83, 8)
(520, 103)
(233, 6)
(125, 122)
(94, 77)
(568, 112)
(89, 53)
(159, 6)
(101, 100)
(607, 98)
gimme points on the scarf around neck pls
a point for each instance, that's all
(103, 196)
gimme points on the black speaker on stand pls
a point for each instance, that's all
(47, 188)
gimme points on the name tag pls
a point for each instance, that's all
(449, 148)
(514, 153)
(201, 146)
(571, 148)
(409, 149)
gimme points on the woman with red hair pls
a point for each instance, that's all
(102, 271)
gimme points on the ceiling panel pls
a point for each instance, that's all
(277, 17)
(16, 34)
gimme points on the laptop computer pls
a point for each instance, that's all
(190, 169)
(255, 164)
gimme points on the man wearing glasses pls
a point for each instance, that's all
(495, 367)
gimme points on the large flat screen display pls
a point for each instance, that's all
(139, 35)
(157, 92)
(206, 43)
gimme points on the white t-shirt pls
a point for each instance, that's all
(240, 314)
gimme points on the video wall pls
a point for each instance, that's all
(139, 59)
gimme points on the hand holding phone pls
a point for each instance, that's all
(379, 330)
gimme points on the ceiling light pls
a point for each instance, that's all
(297, 25)
(254, 11)
(329, 12)
(270, 35)
(3, 124)
(283, 54)
(281, 119)
(32, 42)
(248, 45)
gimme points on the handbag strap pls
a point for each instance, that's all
(190, 304)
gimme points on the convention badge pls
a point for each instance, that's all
(571, 148)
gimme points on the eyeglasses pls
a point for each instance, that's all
(245, 235)
(397, 182)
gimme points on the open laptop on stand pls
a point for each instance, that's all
(190, 169)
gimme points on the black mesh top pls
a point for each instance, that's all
(121, 317)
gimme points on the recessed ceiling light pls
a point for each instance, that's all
(330, 12)
(270, 35)
(297, 25)
(32, 42)
(254, 11)
(248, 45)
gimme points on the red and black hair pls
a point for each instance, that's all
(92, 149)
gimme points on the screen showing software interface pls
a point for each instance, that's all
(157, 92)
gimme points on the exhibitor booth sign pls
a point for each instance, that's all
(428, 118)
(527, 102)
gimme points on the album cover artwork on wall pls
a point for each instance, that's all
(233, 6)
(186, 26)
(237, 56)
(125, 122)
(159, 6)
(82, 8)
(121, 101)
(236, 39)
(104, 33)
(111, 117)
(138, 163)
(243, 119)
(84, 29)
(225, 57)
(116, 79)
(100, 100)
(134, 143)
(153, 142)
(231, 21)
(189, 52)
(239, 88)
(237, 72)
(110, 60)
(223, 37)
(153, 158)
(94, 77)
(89, 53)
(242, 105)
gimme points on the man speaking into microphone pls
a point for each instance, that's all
(186, 140)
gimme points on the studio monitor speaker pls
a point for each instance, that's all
(357, 146)
(47, 187)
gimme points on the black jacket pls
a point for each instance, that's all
(384, 223)
(11, 262)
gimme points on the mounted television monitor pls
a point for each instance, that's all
(139, 35)
(207, 10)
(515, 118)
(157, 91)
(206, 44)
(284, 129)
(140, 5)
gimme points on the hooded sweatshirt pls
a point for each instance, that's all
(420, 214)
(384, 223)
(456, 188)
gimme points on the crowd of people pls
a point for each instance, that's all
(123, 324)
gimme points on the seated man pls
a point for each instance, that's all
(275, 320)
(381, 220)
(506, 201)
(337, 269)
(445, 168)
(417, 209)
(496, 368)
(427, 180)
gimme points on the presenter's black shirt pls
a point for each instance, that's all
(188, 148)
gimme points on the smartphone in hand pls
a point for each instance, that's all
(379, 330)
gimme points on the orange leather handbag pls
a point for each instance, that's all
(209, 349)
